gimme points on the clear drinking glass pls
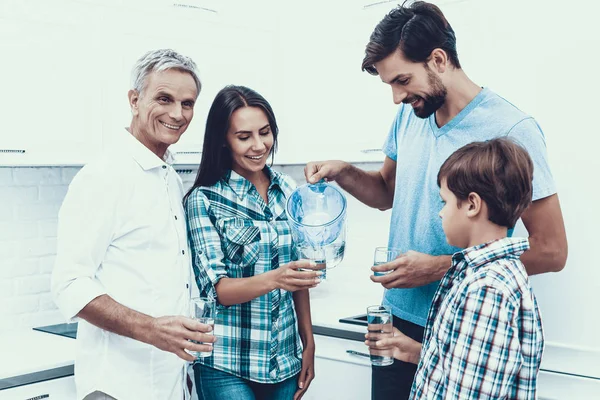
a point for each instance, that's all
(384, 255)
(203, 310)
(380, 327)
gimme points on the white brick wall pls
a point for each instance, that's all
(30, 200)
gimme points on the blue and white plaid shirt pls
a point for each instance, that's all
(233, 233)
(483, 338)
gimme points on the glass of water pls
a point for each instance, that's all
(203, 310)
(384, 255)
(380, 327)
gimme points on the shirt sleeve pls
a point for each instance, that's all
(390, 146)
(485, 354)
(529, 135)
(86, 224)
(205, 244)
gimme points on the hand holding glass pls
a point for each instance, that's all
(203, 310)
(380, 327)
(384, 255)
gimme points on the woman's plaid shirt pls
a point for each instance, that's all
(234, 233)
(483, 338)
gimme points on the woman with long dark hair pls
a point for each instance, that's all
(242, 254)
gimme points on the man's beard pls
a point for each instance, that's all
(433, 100)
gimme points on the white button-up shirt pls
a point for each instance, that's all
(122, 232)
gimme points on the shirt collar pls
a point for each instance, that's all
(143, 156)
(481, 254)
(241, 186)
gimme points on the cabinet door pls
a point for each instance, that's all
(336, 380)
(332, 108)
(55, 389)
(224, 53)
(50, 84)
(339, 375)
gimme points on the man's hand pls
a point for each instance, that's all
(404, 348)
(412, 269)
(175, 333)
(328, 170)
(297, 275)
(307, 373)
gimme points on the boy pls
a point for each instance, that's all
(483, 337)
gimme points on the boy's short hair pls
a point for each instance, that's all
(499, 170)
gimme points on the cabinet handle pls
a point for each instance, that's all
(378, 3)
(39, 397)
(17, 151)
(358, 353)
(182, 5)
(366, 151)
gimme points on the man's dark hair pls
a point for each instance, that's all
(416, 29)
(498, 170)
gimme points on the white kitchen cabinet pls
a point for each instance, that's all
(339, 375)
(68, 72)
(557, 386)
(50, 83)
(331, 109)
(54, 389)
(224, 52)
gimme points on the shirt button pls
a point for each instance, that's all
(187, 286)
(164, 167)
(176, 217)
(182, 251)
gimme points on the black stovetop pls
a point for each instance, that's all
(67, 330)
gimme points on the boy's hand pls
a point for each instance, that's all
(412, 269)
(404, 348)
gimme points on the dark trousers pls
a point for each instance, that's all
(394, 381)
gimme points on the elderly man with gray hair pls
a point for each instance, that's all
(122, 267)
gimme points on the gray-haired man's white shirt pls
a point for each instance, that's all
(122, 232)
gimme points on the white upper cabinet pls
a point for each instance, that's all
(332, 110)
(50, 83)
(224, 52)
(68, 67)
(68, 70)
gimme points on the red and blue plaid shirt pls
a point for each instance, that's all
(484, 337)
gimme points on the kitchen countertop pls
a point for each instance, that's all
(341, 295)
(29, 351)
(30, 356)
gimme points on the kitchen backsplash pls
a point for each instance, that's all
(30, 200)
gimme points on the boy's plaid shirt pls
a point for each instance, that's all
(234, 233)
(483, 338)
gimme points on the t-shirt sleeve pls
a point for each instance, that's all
(390, 146)
(529, 135)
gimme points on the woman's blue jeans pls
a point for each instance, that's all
(212, 384)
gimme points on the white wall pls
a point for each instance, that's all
(31, 198)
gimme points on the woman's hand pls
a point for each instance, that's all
(404, 348)
(307, 373)
(297, 275)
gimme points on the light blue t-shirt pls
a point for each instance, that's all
(419, 148)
